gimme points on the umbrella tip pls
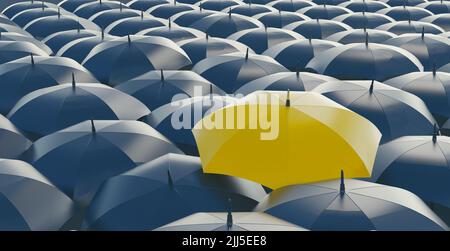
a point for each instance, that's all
(229, 13)
(229, 215)
(367, 38)
(142, 14)
(169, 179)
(129, 39)
(93, 127)
(103, 33)
(59, 12)
(246, 54)
(297, 73)
(162, 75)
(170, 23)
(435, 133)
(207, 36)
(434, 69)
(120, 7)
(423, 32)
(32, 59)
(210, 90)
(371, 86)
(73, 81)
(342, 187)
(288, 98)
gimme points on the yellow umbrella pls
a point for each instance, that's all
(281, 138)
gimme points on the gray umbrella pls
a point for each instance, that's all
(405, 13)
(260, 39)
(133, 25)
(28, 201)
(250, 9)
(107, 17)
(169, 9)
(15, 8)
(186, 113)
(22, 76)
(13, 28)
(279, 19)
(359, 36)
(432, 87)
(5, 20)
(394, 112)
(402, 27)
(364, 6)
(420, 165)
(79, 158)
(72, 5)
(57, 40)
(173, 32)
(218, 5)
(12, 141)
(45, 26)
(437, 7)
(122, 59)
(403, 2)
(231, 71)
(87, 10)
(242, 221)
(351, 205)
(178, 185)
(324, 11)
(364, 61)
(187, 18)
(317, 29)
(26, 16)
(13, 36)
(78, 49)
(144, 5)
(282, 81)
(362, 20)
(157, 88)
(50, 109)
(290, 5)
(433, 51)
(294, 55)
(201, 48)
(441, 20)
(12, 50)
(222, 25)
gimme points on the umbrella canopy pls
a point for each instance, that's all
(12, 141)
(26, 16)
(22, 76)
(395, 112)
(201, 48)
(57, 40)
(187, 18)
(364, 61)
(169, 9)
(264, 2)
(282, 81)
(12, 50)
(231, 71)
(362, 20)
(72, 5)
(122, 59)
(405, 13)
(13, 36)
(144, 5)
(290, 5)
(87, 10)
(360, 35)
(250, 9)
(260, 39)
(432, 87)
(302, 126)
(351, 205)
(78, 49)
(5, 20)
(403, 2)
(28, 201)
(173, 32)
(157, 88)
(295, 55)
(441, 20)
(279, 19)
(179, 186)
(364, 6)
(324, 11)
(317, 29)
(218, 5)
(437, 7)
(133, 25)
(242, 221)
(15, 8)
(12, 28)
(222, 25)
(433, 51)
(107, 17)
(330, 2)
(402, 27)
(45, 26)
(420, 165)
(186, 113)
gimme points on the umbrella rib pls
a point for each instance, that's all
(443, 154)
(348, 195)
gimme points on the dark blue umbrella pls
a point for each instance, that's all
(364, 6)
(201, 48)
(167, 10)
(403, 2)
(157, 88)
(218, 5)
(50, 109)
(432, 87)
(231, 71)
(360, 20)
(89, 9)
(29, 202)
(420, 165)
(405, 13)
(402, 27)
(222, 25)
(260, 39)
(369, 61)
(57, 40)
(26, 16)
(22, 76)
(279, 19)
(318, 28)
(433, 51)
(12, 50)
(107, 17)
(78, 49)
(79, 158)
(187, 18)
(144, 5)
(176, 119)
(13, 36)
(359, 36)
(250, 9)
(72, 5)
(15, 8)
(173, 32)
(290, 5)
(324, 11)
(282, 81)
(133, 25)
(394, 112)
(437, 7)
(441, 20)
(12, 142)
(119, 60)
(164, 190)
(295, 55)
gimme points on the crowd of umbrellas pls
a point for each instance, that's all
(87, 139)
